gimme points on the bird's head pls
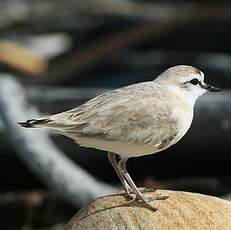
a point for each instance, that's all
(187, 81)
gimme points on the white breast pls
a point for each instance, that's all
(185, 116)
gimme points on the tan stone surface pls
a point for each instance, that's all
(183, 210)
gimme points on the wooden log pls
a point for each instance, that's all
(182, 210)
(22, 59)
(41, 155)
(81, 61)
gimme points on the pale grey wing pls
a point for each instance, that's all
(135, 122)
(100, 105)
(133, 114)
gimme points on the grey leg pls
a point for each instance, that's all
(122, 166)
(112, 159)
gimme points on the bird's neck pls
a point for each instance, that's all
(188, 97)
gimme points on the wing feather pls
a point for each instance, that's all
(133, 114)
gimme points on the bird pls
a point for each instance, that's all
(134, 120)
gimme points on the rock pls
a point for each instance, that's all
(182, 210)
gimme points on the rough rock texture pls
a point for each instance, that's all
(183, 210)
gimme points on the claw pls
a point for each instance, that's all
(155, 197)
(145, 201)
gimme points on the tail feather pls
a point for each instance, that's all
(34, 122)
(52, 122)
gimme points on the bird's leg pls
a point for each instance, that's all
(122, 166)
(128, 189)
(139, 195)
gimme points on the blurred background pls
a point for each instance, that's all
(55, 55)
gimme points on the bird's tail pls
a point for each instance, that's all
(51, 123)
(35, 123)
(55, 122)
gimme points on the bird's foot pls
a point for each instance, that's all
(145, 202)
(149, 198)
(128, 191)
(143, 197)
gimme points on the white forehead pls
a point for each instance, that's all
(180, 74)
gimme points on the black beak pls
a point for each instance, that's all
(209, 87)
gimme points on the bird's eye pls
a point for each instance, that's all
(195, 81)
